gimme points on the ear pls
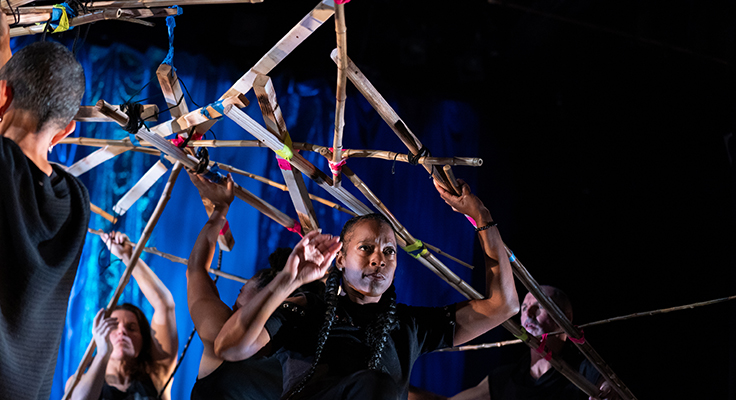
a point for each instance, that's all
(6, 96)
(64, 132)
(340, 260)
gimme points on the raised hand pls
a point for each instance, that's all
(101, 329)
(118, 243)
(466, 203)
(220, 194)
(311, 257)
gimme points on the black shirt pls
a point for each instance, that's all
(293, 331)
(43, 223)
(251, 379)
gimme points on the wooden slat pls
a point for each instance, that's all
(275, 124)
(92, 114)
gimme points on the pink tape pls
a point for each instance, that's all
(472, 221)
(297, 228)
(542, 344)
(336, 167)
(578, 341)
(284, 164)
(342, 1)
(225, 228)
(177, 141)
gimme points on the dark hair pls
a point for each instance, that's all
(350, 225)
(277, 260)
(144, 364)
(377, 331)
(47, 82)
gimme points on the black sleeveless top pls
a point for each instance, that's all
(142, 389)
(250, 379)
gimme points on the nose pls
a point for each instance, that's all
(378, 259)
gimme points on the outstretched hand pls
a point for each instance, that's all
(311, 257)
(101, 329)
(220, 194)
(118, 244)
(466, 203)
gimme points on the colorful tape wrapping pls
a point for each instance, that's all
(213, 174)
(297, 228)
(225, 228)
(336, 167)
(342, 1)
(134, 140)
(60, 15)
(578, 341)
(285, 151)
(472, 221)
(416, 249)
(541, 348)
(524, 335)
(512, 258)
(217, 106)
(283, 164)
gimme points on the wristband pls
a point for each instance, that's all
(482, 228)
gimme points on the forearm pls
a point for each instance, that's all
(244, 332)
(500, 287)
(90, 385)
(152, 287)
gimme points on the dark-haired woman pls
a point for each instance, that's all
(358, 343)
(255, 378)
(134, 358)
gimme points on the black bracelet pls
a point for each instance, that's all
(482, 228)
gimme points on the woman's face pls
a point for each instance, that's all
(127, 339)
(368, 261)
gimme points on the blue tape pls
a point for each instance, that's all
(171, 24)
(213, 175)
(57, 12)
(512, 258)
(166, 162)
(217, 106)
(133, 139)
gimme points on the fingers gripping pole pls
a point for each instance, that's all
(145, 235)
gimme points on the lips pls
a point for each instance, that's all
(376, 276)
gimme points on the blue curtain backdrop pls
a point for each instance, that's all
(119, 73)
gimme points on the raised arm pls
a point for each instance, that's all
(244, 333)
(163, 324)
(208, 312)
(475, 317)
(5, 52)
(90, 385)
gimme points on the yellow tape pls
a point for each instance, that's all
(524, 337)
(285, 151)
(413, 249)
(63, 20)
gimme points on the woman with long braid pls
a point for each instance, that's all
(357, 343)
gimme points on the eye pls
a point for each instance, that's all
(389, 251)
(364, 247)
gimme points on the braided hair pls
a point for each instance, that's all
(378, 330)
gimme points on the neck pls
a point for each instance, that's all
(539, 366)
(358, 297)
(116, 373)
(21, 129)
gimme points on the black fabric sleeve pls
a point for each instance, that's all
(288, 314)
(435, 326)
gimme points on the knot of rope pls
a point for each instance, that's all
(204, 160)
(414, 158)
(133, 111)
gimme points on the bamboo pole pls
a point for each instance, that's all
(102, 213)
(145, 235)
(451, 179)
(389, 116)
(178, 260)
(340, 96)
(596, 323)
(561, 319)
(297, 161)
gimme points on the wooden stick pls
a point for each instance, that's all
(451, 179)
(297, 161)
(442, 253)
(178, 260)
(102, 213)
(171, 89)
(389, 115)
(160, 3)
(93, 114)
(601, 322)
(342, 54)
(145, 235)
(283, 187)
(561, 319)
(275, 124)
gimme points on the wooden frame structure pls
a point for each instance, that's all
(188, 125)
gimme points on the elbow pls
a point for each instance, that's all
(512, 307)
(230, 353)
